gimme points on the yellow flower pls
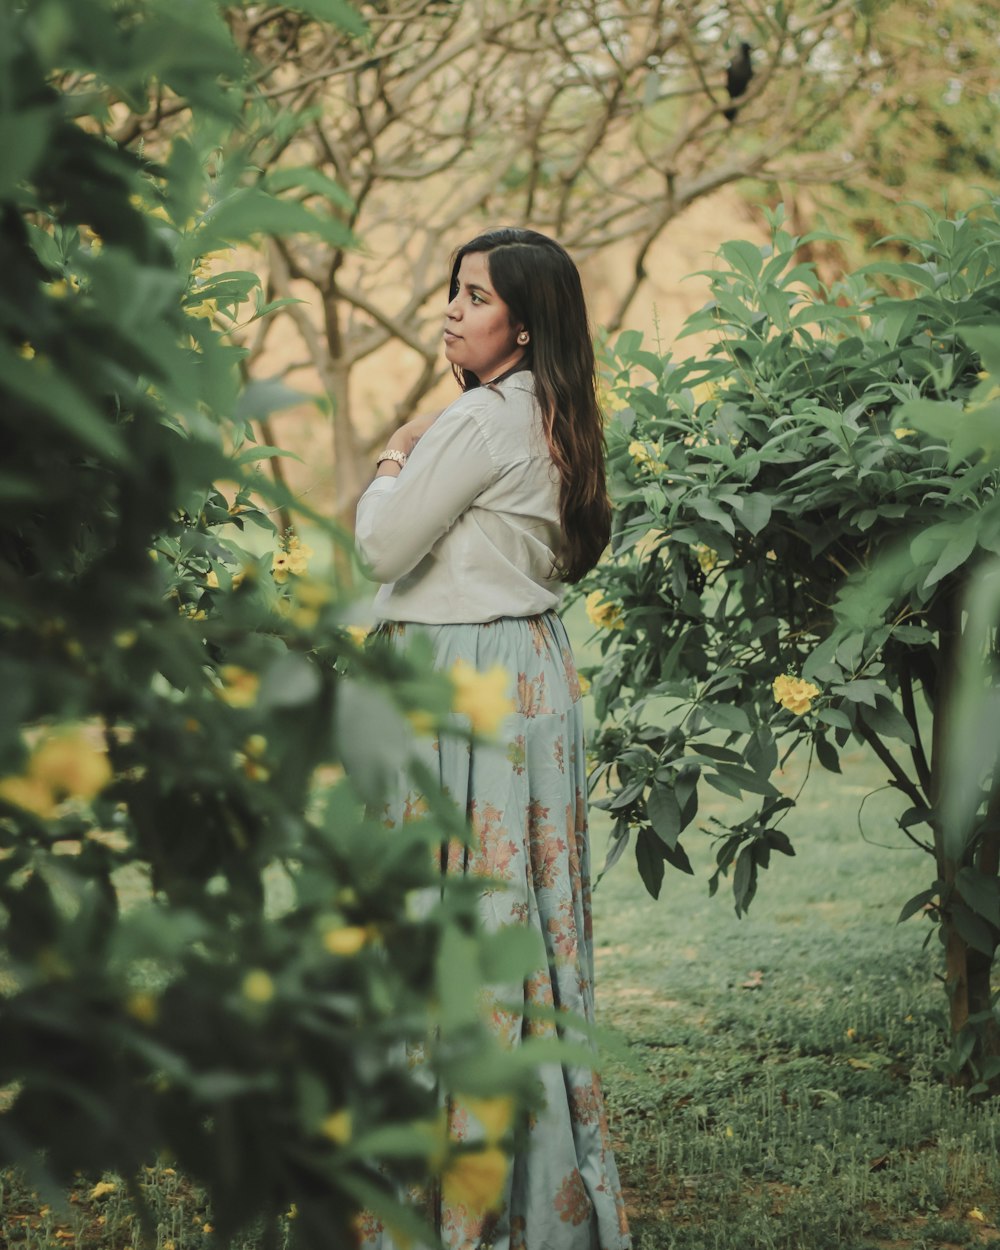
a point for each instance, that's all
(26, 351)
(345, 939)
(239, 686)
(358, 633)
(603, 614)
(338, 1126)
(794, 693)
(482, 697)
(707, 557)
(851, 1034)
(643, 457)
(258, 986)
(281, 566)
(143, 1006)
(903, 432)
(475, 1180)
(71, 765)
(102, 1189)
(298, 554)
(584, 683)
(206, 308)
(28, 794)
(291, 557)
(65, 765)
(494, 1115)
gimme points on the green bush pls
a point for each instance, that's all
(796, 525)
(187, 723)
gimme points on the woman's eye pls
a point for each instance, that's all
(476, 299)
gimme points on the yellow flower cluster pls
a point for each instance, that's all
(644, 458)
(345, 939)
(239, 686)
(707, 557)
(64, 765)
(603, 614)
(475, 1180)
(794, 693)
(258, 987)
(292, 557)
(482, 697)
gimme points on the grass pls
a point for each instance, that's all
(772, 1085)
(780, 1089)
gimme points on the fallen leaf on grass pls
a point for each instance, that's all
(102, 1189)
(754, 980)
(976, 1214)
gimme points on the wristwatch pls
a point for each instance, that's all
(391, 453)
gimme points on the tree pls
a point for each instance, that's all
(186, 722)
(927, 133)
(598, 122)
(800, 513)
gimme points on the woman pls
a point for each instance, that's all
(473, 524)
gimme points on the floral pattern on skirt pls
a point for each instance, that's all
(525, 797)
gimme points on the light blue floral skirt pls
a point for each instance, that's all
(526, 799)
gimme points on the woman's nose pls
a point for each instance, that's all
(452, 310)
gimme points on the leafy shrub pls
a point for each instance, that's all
(187, 721)
(795, 527)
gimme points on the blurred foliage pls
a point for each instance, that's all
(924, 132)
(188, 722)
(798, 515)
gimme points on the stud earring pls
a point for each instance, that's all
(523, 337)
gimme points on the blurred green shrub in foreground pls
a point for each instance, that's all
(187, 720)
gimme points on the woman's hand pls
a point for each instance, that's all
(408, 435)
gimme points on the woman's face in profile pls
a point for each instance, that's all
(478, 334)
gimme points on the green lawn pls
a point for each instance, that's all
(778, 1088)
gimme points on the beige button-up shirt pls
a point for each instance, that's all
(469, 530)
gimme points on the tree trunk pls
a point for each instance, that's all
(967, 971)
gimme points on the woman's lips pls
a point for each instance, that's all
(450, 336)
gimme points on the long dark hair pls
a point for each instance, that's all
(539, 283)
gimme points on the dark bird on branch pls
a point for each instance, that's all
(739, 71)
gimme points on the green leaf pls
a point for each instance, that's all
(664, 813)
(649, 859)
(972, 929)
(305, 177)
(249, 211)
(36, 383)
(981, 892)
(262, 396)
(915, 904)
(888, 721)
(726, 716)
(827, 754)
(754, 511)
(23, 136)
(744, 879)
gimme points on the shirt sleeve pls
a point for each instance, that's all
(400, 519)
